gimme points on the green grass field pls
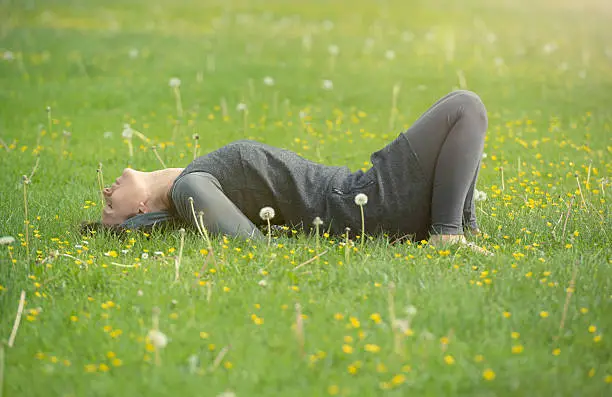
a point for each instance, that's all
(396, 319)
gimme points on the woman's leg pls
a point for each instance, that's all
(220, 214)
(448, 140)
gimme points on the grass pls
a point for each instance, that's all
(470, 325)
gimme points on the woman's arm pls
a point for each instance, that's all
(221, 216)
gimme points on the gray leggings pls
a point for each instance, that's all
(448, 140)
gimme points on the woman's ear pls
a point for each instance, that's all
(143, 208)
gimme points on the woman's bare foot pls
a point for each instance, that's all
(443, 240)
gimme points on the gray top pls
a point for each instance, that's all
(254, 175)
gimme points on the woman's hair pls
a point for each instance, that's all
(142, 222)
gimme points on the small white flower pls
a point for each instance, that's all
(125, 251)
(411, 310)
(328, 85)
(317, 221)
(175, 82)
(108, 134)
(479, 195)
(390, 55)
(139, 292)
(78, 246)
(269, 81)
(333, 50)
(328, 25)
(6, 240)
(67, 134)
(133, 54)
(193, 362)
(263, 283)
(484, 155)
(85, 242)
(144, 256)
(157, 338)
(549, 48)
(127, 131)
(158, 253)
(241, 107)
(266, 213)
(8, 56)
(361, 199)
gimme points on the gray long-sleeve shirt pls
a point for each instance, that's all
(254, 175)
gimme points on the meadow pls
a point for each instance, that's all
(90, 87)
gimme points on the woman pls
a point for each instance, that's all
(421, 184)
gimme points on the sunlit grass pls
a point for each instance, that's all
(332, 81)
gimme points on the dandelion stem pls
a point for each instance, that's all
(580, 190)
(154, 150)
(100, 178)
(245, 120)
(176, 129)
(219, 358)
(568, 296)
(299, 328)
(587, 183)
(177, 262)
(11, 340)
(26, 221)
(503, 184)
(35, 168)
(362, 227)
(346, 245)
(275, 103)
(206, 236)
(269, 232)
(316, 257)
(179, 104)
(49, 121)
(397, 337)
(196, 139)
(569, 209)
(4, 144)
(224, 112)
(1, 369)
(130, 148)
(394, 96)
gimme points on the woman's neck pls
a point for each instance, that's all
(159, 183)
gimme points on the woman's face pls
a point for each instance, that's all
(125, 198)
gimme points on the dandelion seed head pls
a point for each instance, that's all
(317, 221)
(479, 195)
(158, 338)
(361, 199)
(241, 107)
(174, 82)
(390, 55)
(108, 134)
(333, 50)
(6, 240)
(8, 56)
(328, 85)
(127, 131)
(411, 310)
(133, 53)
(266, 213)
(269, 81)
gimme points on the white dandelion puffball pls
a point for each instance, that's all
(241, 107)
(175, 82)
(8, 56)
(157, 338)
(108, 134)
(266, 213)
(317, 221)
(144, 256)
(133, 54)
(333, 50)
(411, 310)
(479, 195)
(328, 85)
(263, 283)
(269, 81)
(484, 155)
(127, 131)
(390, 55)
(361, 199)
(6, 240)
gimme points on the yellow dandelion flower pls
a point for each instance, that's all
(228, 365)
(372, 348)
(111, 354)
(448, 359)
(117, 362)
(597, 338)
(333, 390)
(354, 322)
(544, 314)
(592, 329)
(479, 358)
(91, 368)
(338, 316)
(406, 368)
(398, 379)
(584, 310)
(348, 349)
(103, 367)
(507, 314)
(204, 335)
(376, 318)
(515, 335)
(488, 374)
(348, 339)
(556, 352)
(608, 379)
(517, 349)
